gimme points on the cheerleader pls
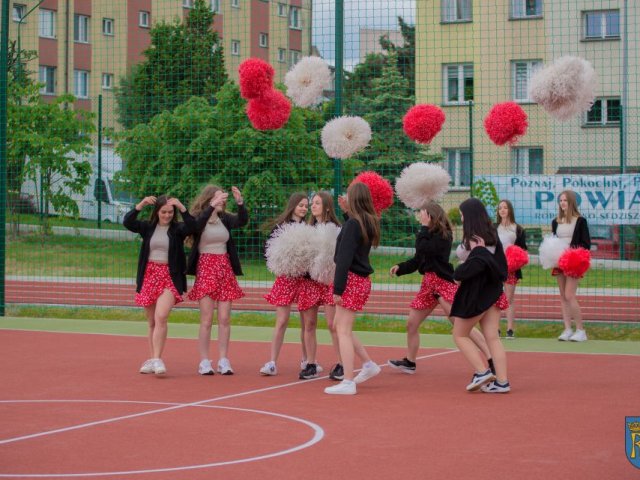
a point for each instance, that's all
(161, 279)
(286, 290)
(510, 233)
(215, 263)
(570, 227)
(433, 248)
(480, 297)
(352, 285)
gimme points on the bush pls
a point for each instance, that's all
(454, 216)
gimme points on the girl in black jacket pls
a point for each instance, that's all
(480, 297)
(215, 263)
(161, 278)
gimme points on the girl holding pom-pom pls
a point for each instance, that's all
(572, 228)
(215, 263)
(510, 233)
(161, 278)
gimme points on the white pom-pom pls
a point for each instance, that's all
(306, 80)
(345, 136)
(565, 88)
(323, 268)
(550, 250)
(290, 250)
(421, 182)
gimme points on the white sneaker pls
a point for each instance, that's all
(579, 336)
(158, 367)
(269, 369)
(345, 387)
(205, 367)
(224, 367)
(369, 370)
(147, 366)
(566, 335)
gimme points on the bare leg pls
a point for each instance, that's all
(510, 292)
(207, 307)
(416, 317)
(310, 340)
(475, 335)
(344, 325)
(566, 310)
(282, 321)
(164, 304)
(330, 313)
(224, 328)
(302, 343)
(150, 312)
(489, 323)
(462, 327)
(570, 289)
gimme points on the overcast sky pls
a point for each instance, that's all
(357, 14)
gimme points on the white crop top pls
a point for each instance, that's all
(507, 235)
(214, 239)
(565, 230)
(159, 245)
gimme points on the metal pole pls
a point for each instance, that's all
(470, 147)
(339, 67)
(101, 192)
(625, 91)
(4, 77)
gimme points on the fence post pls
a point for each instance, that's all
(4, 78)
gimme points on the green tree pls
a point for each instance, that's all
(406, 52)
(184, 59)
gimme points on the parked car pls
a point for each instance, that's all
(606, 241)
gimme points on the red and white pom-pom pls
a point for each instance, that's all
(516, 258)
(343, 137)
(307, 80)
(269, 112)
(323, 268)
(506, 123)
(290, 250)
(550, 250)
(421, 182)
(423, 122)
(565, 88)
(575, 262)
(380, 188)
(255, 78)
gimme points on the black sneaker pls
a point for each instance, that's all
(309, 372)
(405, 365)
(510, 335)
(337, 372)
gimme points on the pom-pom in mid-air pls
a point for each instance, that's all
(380, 188)
(517, 258)
(574, 262)
(343, 137)
(506, 123)
(420, 182)
(306, 80)
(323, 268)
(550, 250)
(565, 88)
(270, 111)
(290, 249)
(423, 122)
(255, 78)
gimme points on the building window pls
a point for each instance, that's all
(263, 40)
(215, 6)
(526, 161)
(187, 3)
(47, 76)
(47, 27)
(107, 81)
(456, 11)
(521, 73)
(107, 26)
(81, 28)
(282, 55)
(294, 18)
(458, 164)
(601, 25)
(235, 47)
(282, 10)
(605, 111)
(81, 83)
(294, 57)
(526, 8)
(18, 11)
(143, 19)
(235, 3)
(458, 83)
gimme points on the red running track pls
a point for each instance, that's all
(608, 308)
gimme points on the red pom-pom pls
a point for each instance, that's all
(256, 78)
(575, 262)
(423, 122)
(380, 188)
(506, 123)
(516, 258)
(269, 112)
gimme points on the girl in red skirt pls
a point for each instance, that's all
(286, 290)
(352, 285)
(433, 248)
(161, 278)
(480, 297)
(214, 261)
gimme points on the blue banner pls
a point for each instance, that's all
(632, 440)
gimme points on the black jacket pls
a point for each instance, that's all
(580, 237)
(521, 241)
(352, 255)
(177, 233)
(482, 275)
(432, 255)
(230, 221)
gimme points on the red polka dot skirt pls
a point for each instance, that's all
(433, 286)
(511, 279)
(215, 278)
(502, 302)
(156, 280)
(312, 294)
(285, 291)
(356, 293)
